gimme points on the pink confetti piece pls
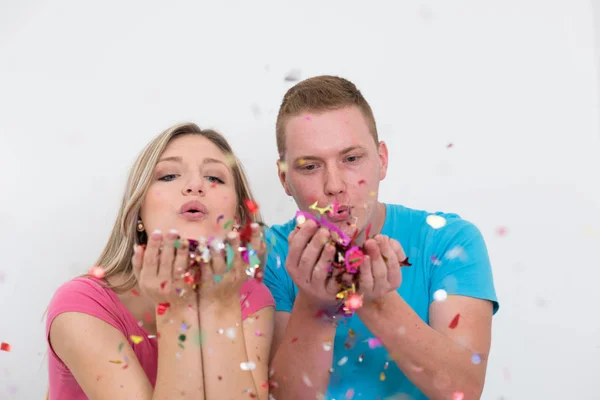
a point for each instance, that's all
(374, 343)
(349, 394)
(501, 231)
(458, 396)
(97, 272)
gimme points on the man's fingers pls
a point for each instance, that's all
(311, 255)
(366, 281)
(298, 241)
(321, 269)
(378, 267)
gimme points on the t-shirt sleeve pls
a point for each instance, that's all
(460, 262)
(255, 297)
(276, 277)
(84, 296)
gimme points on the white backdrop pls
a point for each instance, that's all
(512, 85)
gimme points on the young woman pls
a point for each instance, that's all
(162, 317)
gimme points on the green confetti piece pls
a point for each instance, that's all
(181, 346)
(230, 256)
(182, 337)
(227, 224)
(121, 346)
(176, 243)
(198, 338)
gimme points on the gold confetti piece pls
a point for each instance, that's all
(372, 193)
(321, 210)
(435, 221)
(301, 162)
(382, 376)
(115, 361)
(283, 167)
(136, 339)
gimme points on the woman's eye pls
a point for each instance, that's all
(214, 179)
(168, 178)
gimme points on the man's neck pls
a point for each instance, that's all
(376, 223)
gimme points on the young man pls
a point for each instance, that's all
(424, 329)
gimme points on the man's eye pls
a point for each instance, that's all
(168, 178)
(353, 158)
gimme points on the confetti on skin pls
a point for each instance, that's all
(148, 317)
(476, 359)
(227, 224)
(219, 218)
(374, 343)
(294, 340)
(342, 361)
(435, 221)
(135, 292)
(362, 182)
(248, 366)
(97, 272)
(306, 380)
(454, 322)
(372, 193)
(368, 230)
(349, 394)
(121, 346)
(230, 333)
(458, 396)
(327, 346)
(162, 308)
(257, 333)
(382, 376)
(321, 210)
(440, 295)
(163, 284)
(115, 361)
(5, 347)
(136, 339)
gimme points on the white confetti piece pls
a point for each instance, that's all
(342, 361)
(221, 330)
(402, 330)
(435, 221)
(306, 380)
(456, 252)
(327, 346)
(230, 333)
(440, 295)
(248, 366)
(476, 359)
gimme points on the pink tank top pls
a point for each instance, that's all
(89, 296)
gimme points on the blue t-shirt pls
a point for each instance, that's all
(453, 258)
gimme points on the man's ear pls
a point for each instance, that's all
(383, 160)
(282, 169)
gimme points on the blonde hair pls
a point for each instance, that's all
(318, 94)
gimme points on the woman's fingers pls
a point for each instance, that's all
(167, 256)
(152, 254)
(182, 257)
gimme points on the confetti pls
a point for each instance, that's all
(5, 347)
(342, 361)
(321, 210)
(135, 292)
(456, 252)
(435, 221)
(306, 380)
(219, 218)
(435, 261)
(136, 339)
(163, 284)
(283, 167)
(349, 394)
(248, 366)
(294, 340)
(374, 343)
(327, 346)
(454, 322)
(501, 231)
(121, 346)
(162, 308)
(361, 358)
(382, 376)
(402, 330)
(458, 396)
(362, 182)
(115, 361)
(293, 75)
(230, 333)
(449, 145)
(476, 359)
(97, 272)
(372, 193)
(257, 333)
(440, 295)
(251, 206)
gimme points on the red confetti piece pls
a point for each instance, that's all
(162, 308)
(213, 185)
(454, 322)
(259, 275)
(362, 182)
(5, 347)
(449, 145)
(353, 302)
(501, 231)
(135, 292)
(368, 231)
(251, 206)
(294, 340)
(97, 272)
(163, 284)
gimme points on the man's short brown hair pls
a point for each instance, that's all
(318, 94)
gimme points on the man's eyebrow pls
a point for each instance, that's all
(351, 148)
